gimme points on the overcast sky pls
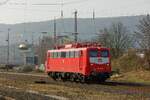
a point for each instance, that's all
(18, 11)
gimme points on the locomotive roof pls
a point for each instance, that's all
(75, 49)
(70, 49)
(77, 46)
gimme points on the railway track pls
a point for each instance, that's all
(121, 88)
(13, 93)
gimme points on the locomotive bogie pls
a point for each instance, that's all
(77, 77)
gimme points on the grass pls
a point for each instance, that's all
(139, 76)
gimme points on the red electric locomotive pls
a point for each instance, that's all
(79, 62)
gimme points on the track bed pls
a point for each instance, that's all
(41, 86)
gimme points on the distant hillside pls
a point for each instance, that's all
(86, 27)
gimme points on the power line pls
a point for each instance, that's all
(44, 4)
(17, 3)
(73, 2)
(47, 4)
(65, 3)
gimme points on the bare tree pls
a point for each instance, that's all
(143, 37)
(117, 38)
(45, 44)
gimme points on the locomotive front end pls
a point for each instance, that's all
(99, 62)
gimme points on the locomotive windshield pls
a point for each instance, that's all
(104, 53)
(93, 53)
(99, 56)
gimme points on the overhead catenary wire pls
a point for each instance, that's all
(62, 13)
(43, 4)
(53, 4)
(64, 3)
(77, 1)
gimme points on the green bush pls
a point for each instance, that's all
(25, 68)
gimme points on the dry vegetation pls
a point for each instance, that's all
(140, 76)
(131, 68)
(129, 62)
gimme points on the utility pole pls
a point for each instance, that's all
(62, 15)
(75, 27)
(62, 4)
(93, 15)
(8, 46)
(55, 35)
(43, 47)
(14, 55)
(32, 39)
(32, 48)
(94, 23)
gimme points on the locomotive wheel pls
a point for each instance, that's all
(72, 77)
(83, 79)
(53, 75)
(59, 77)
(63, 77)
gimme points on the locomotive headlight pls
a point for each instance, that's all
(107, 64)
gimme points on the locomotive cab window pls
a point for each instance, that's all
(93, 53)
(104, 53)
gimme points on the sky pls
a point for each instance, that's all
(19, 11)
